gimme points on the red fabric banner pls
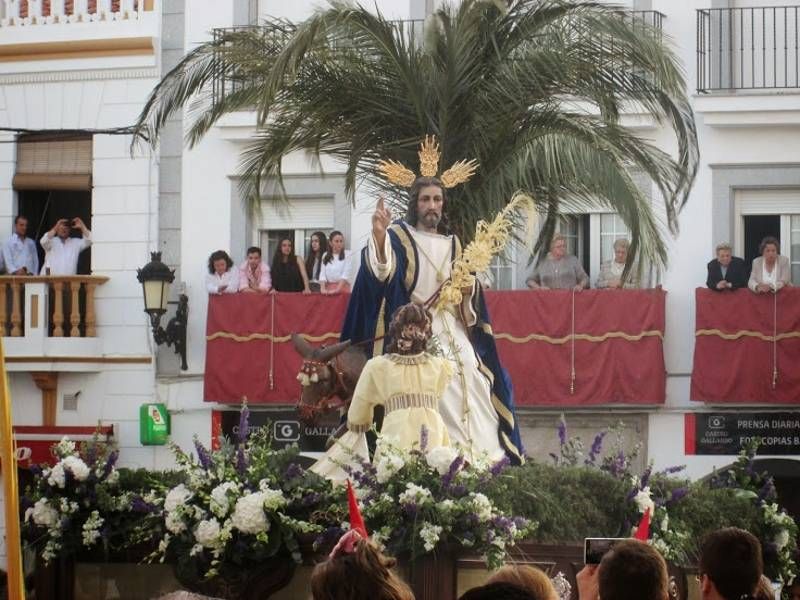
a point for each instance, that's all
(616, 353)
(617, 350)
(747, 347)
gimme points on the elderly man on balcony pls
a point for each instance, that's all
(61, 250)
(726, 272)
(19, 252)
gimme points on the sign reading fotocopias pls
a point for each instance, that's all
(725, 432)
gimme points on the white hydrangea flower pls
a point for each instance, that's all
(482, 506)
(273, 499)
(174, 523)
(113, 477)
(644, 500)
(207, 533)
(220, 503)
(665, 522)
(56, 478)
(196, 549)
(65, 447)
(43, 514)
(440, 459)
(249, 515)
(77, 467)
(415, 494)
(177, 496)
(388, 465)
(430, 535)
(446, 505)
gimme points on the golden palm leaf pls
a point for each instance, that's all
(459, 173)
(429, 156)
(396, 173)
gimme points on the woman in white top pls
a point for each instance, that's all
(316, 251)
(335, 266)
(770, 271)
(221, 278)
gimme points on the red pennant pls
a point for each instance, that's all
(356, 520)
(643, 530)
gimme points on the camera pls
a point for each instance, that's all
(716, 422)
(595, 548)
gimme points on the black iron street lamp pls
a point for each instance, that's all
(156, 278)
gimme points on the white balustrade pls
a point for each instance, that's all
(103, 11)
(11, 16)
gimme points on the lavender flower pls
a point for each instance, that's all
(767, 491)
(562, 430)
(455, 466)
(203, 455)
(597, 447)
(112, 460)
(241, 460)
(244, 424)
(423, 439)
(140, 506)
(672, 470)
(499, 466)
(677, 494)
(646, 476)
(293, 471)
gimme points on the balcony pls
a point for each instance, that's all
(49, 323)
(748, 66)
(69, 29)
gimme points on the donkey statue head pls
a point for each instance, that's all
(328, 376)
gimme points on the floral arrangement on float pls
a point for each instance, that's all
(238, 507)
(72, 504)
(424, 500)
(778, 531)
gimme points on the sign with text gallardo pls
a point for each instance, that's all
(778, 433)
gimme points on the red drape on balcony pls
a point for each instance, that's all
(747, 347)
(618, 355)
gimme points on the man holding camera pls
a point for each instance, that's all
(61, 250)
(630, 569)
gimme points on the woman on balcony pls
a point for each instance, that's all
(316, 251)
(335, 271)
(222, 278)
(770, 271)
(611, 270)
(288, 269)
(559, 271)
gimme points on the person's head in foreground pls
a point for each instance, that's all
(533, 580)
(410, 329)
(357, 570)
(499, 590)
(631, 569)
(730, 565)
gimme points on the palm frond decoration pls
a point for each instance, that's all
(532, 90)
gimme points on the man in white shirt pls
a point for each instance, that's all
(62, 251)
(19, 252)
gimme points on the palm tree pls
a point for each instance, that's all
(507, 83)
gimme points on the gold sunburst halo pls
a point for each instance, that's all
(396, 173)
(429, 156)
(461, 172)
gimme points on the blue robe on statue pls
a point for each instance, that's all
(373, 302)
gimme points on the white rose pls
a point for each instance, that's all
(644, 501)
(388, 465)
(56, 478)
(177, 496)
(781, 539)
(248, 514)
(207, 533)
(440, 459)
(43, 514)
(77, 467)
(174, 523)
(220, 503)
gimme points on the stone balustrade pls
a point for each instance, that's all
(50, 12)
(63, 306)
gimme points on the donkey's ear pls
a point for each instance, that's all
(324, 354)
(303, 348)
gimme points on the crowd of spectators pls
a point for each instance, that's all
(327, 269)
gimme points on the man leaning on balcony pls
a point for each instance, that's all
(726, 272)
(61, 250)
(19, 252)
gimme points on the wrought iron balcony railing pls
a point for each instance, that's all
(747, 48)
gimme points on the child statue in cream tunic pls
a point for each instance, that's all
(408, 382)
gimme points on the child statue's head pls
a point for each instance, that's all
(410, 329)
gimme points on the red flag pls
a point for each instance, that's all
(356, 520)
(643, 530)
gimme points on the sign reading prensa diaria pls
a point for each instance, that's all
(777, 433)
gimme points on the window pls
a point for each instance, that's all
(502, 271)
(794, 250)
(302, 240)
(612, 228)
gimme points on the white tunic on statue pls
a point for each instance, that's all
(472, 420)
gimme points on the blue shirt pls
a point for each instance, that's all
(18, 253)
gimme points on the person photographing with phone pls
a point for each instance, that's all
(627, 570)
(61, 250)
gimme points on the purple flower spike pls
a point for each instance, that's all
(244, 424)
(203, 455)
(112, 460)
(677, 494)
(562, 430)
(241, 461)
(500, 466)
(423, 439)
(455, 466)
(597, 447)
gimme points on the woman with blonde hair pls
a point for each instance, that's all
(559, 270)
(527, 577)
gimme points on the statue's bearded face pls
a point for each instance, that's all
(430, 203)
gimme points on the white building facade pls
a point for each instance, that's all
(91, 72)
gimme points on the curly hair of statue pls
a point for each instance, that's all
(409, 330)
